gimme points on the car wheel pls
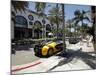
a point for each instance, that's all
(50, 52)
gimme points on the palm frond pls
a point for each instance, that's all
(19, 5)
(87, 18)
(40, 7)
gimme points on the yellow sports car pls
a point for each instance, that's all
(48, 49)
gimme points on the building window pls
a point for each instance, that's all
(37, 29)
(37, 25)
(30, 17)
(48, 27)
(30, 23)
(21, 20)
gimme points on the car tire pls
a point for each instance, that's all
(50, 52)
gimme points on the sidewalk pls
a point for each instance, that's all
(49, 64)
(23, 57)
(84, 46)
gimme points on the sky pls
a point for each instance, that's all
(69, 9)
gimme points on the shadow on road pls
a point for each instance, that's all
(69, 55)
(22, 47)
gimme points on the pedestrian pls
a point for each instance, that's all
(89, 40)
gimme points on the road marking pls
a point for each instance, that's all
(21, 68)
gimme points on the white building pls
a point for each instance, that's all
(28, 24)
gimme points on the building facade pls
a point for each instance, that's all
(28, 24)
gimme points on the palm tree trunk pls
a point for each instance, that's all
(63, 15)
(82, 29)
(57, 20)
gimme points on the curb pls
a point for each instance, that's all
(25, 67)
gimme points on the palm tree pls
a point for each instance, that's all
(19, 5)
(64, 37)
(55, 17)
(70, 26)
(80, 16)
(40, 7)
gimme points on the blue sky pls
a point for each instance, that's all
(69, 9)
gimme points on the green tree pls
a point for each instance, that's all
(80, 16)
(19, 5)
(55, 17)
(40, 8)
(69, 27)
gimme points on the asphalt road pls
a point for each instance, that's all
(23, 57)
(27, 56)
(78, 57)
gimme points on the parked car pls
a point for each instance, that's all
(74, 40)
(48, 49)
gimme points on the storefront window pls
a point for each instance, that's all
(20, 20)
(30, 23)
(37, 24)
(48, 27)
